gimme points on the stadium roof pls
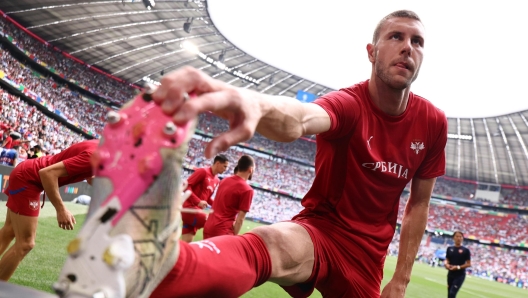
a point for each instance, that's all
(131, 42)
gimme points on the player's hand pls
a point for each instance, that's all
(202, 204)
(240, 107)
(394, 289)
(65, 219)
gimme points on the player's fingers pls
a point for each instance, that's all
(226, 101)
(225, 140)
(73, 220)
(170, 94)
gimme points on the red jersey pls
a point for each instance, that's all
(233, 195)
(76, 159)
(365, 160)
(202, 184)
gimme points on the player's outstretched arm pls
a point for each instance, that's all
(412, 230)
(278, 118)
(49, 178)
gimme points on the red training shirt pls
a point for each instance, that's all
(202, 183)
(233, 195)
(365, 160)
(76, 159)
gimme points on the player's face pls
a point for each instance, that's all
(398, 53)
(458, 239)
(221, 167)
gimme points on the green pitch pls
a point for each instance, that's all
(42, 266)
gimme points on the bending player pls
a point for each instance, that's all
(372, 139)
(458, 258)
(26, 183)
(232, 201)
(202, 184)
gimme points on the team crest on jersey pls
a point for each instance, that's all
(460, 251)
(417, 146)
(34, 205)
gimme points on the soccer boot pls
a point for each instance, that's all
(129, 241)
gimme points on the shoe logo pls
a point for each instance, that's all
(417, 146)
(207, 244)
(368, 142)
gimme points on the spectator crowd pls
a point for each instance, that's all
(97, 83)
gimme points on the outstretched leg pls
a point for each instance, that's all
(282, 253)
(7, 234)
(25, 229)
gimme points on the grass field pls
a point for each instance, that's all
(42, 266)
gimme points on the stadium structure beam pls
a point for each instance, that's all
(249, 72)
(112, 15)
(98, 30)
(276, 83)
(475, 148)
(148, 60)
(87, 4)
(263, 78)
(236, 66)
(152, 45)
(130, 38)
(521, 141)
(459, 149)
(291, 86)
(510, 157)
(183, 62)
(490, 143)
(310, 87)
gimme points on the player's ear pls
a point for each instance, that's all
(371, 52)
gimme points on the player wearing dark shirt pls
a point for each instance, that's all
(458, 258)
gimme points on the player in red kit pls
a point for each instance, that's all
(202, 184)
(232, 201)
(372, 139)
(26, 183)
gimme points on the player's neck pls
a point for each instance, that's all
(391, 101)
(458, 245)
(213, 171)
(243, 175)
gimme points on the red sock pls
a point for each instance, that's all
(225, 266)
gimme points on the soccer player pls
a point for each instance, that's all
(202, 184)
(26, 183)
(232, 201)
(372, 139)
(458, 258)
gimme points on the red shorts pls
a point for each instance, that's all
(192, 222)
(217, 232)
(23, 197)
(341, 267)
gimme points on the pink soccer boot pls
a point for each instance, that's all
(129, 241)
